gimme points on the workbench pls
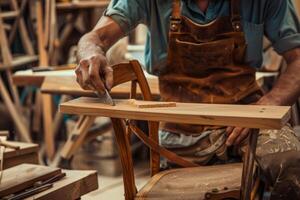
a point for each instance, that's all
(69, 185)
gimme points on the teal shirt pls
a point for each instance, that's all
(276, 19)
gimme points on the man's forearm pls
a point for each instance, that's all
(89, 45)
(287, 88)
(100, 39)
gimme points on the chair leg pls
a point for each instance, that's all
(247, 177)
(154, 156)
(21, 127)
(125, 157)
(77, 137)
(48, 125)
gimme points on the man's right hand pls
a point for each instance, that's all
(92, 71)
(94, 74)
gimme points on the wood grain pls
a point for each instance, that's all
(28, 153)
(23, 176)
(73, 186)
(152, 104)
(250, 116)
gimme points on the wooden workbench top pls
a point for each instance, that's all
(250, 116)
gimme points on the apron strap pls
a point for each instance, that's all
(235, 15)
(176, 9)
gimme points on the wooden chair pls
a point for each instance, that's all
(185, 183)
(10, 61)
(161, 183)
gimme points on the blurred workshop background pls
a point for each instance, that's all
(38, 41)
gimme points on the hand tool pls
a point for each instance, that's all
(105, 98)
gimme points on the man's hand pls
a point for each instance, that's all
(236, 135)
(93, 73)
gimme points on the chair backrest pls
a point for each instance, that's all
(133, 72)
(123, 73)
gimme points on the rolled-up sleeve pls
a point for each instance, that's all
(128, 13)
(282, 25)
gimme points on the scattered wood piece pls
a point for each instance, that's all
(4, 133)
(151, 104)
(23, 176)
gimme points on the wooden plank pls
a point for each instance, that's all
(29, 158)
(68, 85)
(9, 14)
(23, 176)
(250, 116)
(29, 78)
(73, 186)
(25, 148)
(82, 4)
(19, 61)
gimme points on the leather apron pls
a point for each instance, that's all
(205, 64)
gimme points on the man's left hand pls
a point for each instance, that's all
(236, 135)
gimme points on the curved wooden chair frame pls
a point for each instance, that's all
(123, 128)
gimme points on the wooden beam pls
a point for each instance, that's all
(250, 116)
(82, 4)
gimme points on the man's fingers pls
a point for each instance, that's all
(233, 136)
(229, 130)
(94, 76)
(79, 78)
(109, 78)
(84, 68)
(242, 136)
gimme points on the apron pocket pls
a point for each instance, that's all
(197, 56)
(254, 37)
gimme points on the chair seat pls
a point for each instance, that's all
(191, 183)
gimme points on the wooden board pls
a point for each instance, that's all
(82, 4)
(69, 86)
(250, 116)
(23, 176)
(28, 153)
(64, 82)
(29, 78)
(73, 186)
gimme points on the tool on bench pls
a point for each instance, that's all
(37, 187)
(105, 98)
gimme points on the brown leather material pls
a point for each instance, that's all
(205, 64)
(192, 183)
(176, 11)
